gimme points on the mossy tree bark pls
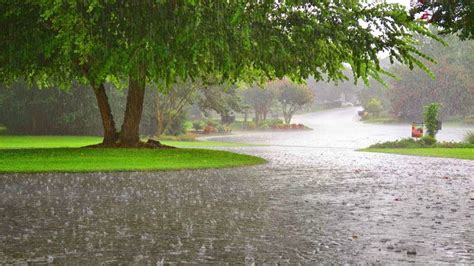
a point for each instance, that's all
(130, 135)
(108, 123)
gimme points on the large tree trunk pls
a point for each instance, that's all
(108, 123)
(129, 136)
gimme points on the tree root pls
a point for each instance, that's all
(150, 144)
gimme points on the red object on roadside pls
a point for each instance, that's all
(416, 132)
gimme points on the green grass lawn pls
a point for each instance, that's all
(27, 142)
(459, 153)
(380, 120)
(34, 154)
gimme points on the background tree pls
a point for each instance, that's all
(221, 98)
(171, 105)
(33, 111)
(453, 86)
(292, 97)
(260, 99)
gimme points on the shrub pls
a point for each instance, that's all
(198, 125)
(403, 143)
(469, 119)
(221, 129)
(211, 123)
(249, 125)
(431, 119)
(209, 130)
(422, 143)
(270, 123)
(374, 107)
(177, 126)
(428, 140)
(470, 137)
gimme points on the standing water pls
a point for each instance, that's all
(317, 200)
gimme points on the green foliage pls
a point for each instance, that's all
(450, 16)
(374, 107)
(220, 128)
(260, 99)
(212, 123)
(219, 97)
(422, 143)
(33, 111)
(469, 137)
(431, 118)
(291, 96)
(249, 125)
(469, 120)
(92, 42)
(198, 125)
(269, 123)
(402, 143)
(176, 126)
(428, 140)
(452, 86)
(172, 42)
(26, 110)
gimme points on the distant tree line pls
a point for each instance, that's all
(405, 96)
(30, 110)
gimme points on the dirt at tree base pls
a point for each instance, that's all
(150, 144)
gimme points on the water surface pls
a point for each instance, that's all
(317, 200)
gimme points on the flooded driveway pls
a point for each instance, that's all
(317, 200)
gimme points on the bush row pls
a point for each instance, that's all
(425, 142)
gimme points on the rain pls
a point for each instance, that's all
(210, 133)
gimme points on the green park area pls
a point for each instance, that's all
(34, 154)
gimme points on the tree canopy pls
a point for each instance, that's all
(452, 16)
(135, 42)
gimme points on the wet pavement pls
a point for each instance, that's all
(316, 201)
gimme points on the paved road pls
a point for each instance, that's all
(317, 200)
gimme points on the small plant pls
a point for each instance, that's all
(470, 137)
(211, 123)
(221, 129)
(431, 118)
(428, 140)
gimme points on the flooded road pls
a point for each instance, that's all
(317, 200)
